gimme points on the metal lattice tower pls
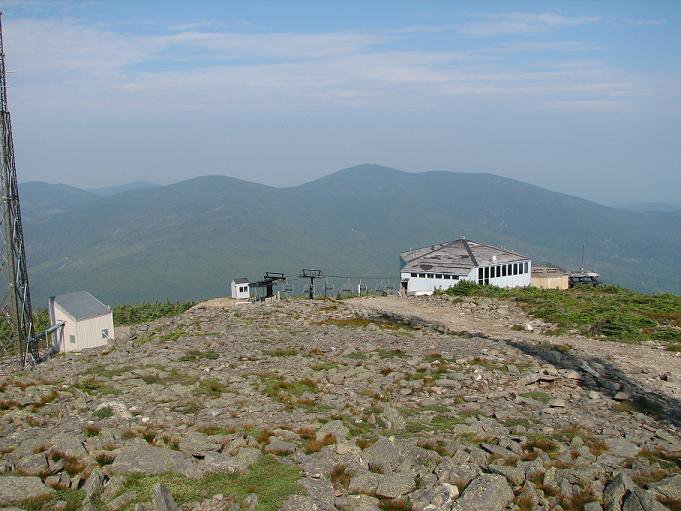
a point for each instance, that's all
(19, 336)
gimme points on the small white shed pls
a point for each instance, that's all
(88, 323)
(241, 289)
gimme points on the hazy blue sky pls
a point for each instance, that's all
(580, 97)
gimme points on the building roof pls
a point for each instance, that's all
(457, 257)
(81, 305)
(242, 280)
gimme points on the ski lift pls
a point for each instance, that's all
(328, 286)
(288, 288)
(347, 290)
(362, 287)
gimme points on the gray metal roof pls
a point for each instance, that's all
(81, 305)
(457, 257)
(242, 280)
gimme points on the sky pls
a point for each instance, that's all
(575, 96)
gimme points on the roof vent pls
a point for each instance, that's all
(494, 259)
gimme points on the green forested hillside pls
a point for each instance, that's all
(187, 240)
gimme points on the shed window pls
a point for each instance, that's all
(509, 268)
(448, 277)
(503, 271)
(72, 339)
(487, 275)
(431, 276)
(439, 276)
(526, 267)
(480, 275)
(105, 333)
(414, 274)
(422, 275)
(515, 268)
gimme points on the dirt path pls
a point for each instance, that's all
(495, 319)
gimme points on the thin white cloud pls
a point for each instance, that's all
(66, 64)
(522, 23)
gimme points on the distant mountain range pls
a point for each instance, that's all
(113, 190)
(189, 239)
(644, 207)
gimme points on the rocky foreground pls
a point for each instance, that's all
(301, 405)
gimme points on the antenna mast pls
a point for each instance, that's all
(16, 302)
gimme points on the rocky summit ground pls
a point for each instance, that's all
(365, 404)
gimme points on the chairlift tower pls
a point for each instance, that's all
(311, 274)
(16, 301)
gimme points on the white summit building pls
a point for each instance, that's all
(441, 266)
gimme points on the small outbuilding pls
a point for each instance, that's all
(548, 276)
(87, 322)
(241, 289)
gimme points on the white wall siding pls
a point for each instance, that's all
(63, 336)
(426, 283)
(90, 331)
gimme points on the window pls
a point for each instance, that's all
(105, 333)
(492, 272)
(503, 271)
(526, 267)
(448, 277)
(422, 275)
(431, 276)
(72, 339)
(455, 277)
(414, 274)
(487, 275)
(480, 275)
(509, 268)
(515, 268)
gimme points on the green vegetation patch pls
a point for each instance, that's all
(273, 482)
(94, 387)
(537, 395)
(104, 413)
(609, 312)
(283, 352)
(73, 501)
(194, 355)
(146, 312)
(210, 387)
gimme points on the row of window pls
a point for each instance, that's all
(435, 276)
(503, 270)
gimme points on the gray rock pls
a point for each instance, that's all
(122, 501)
(335, 427)
(221, 462)
(641, 500)
(621, 447)
(358, 503)
(34, 465)
(364, 482)
(163, 499)
(669, 487)
(592, 506)
(614, 492)
(15, 490)
(383, 456)
(94, 483)
(514, 475)
(299, 503)
(395, 484)
(138, 457)
(277, 446)
(113, 488)
(321, 491)
(490, 492)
